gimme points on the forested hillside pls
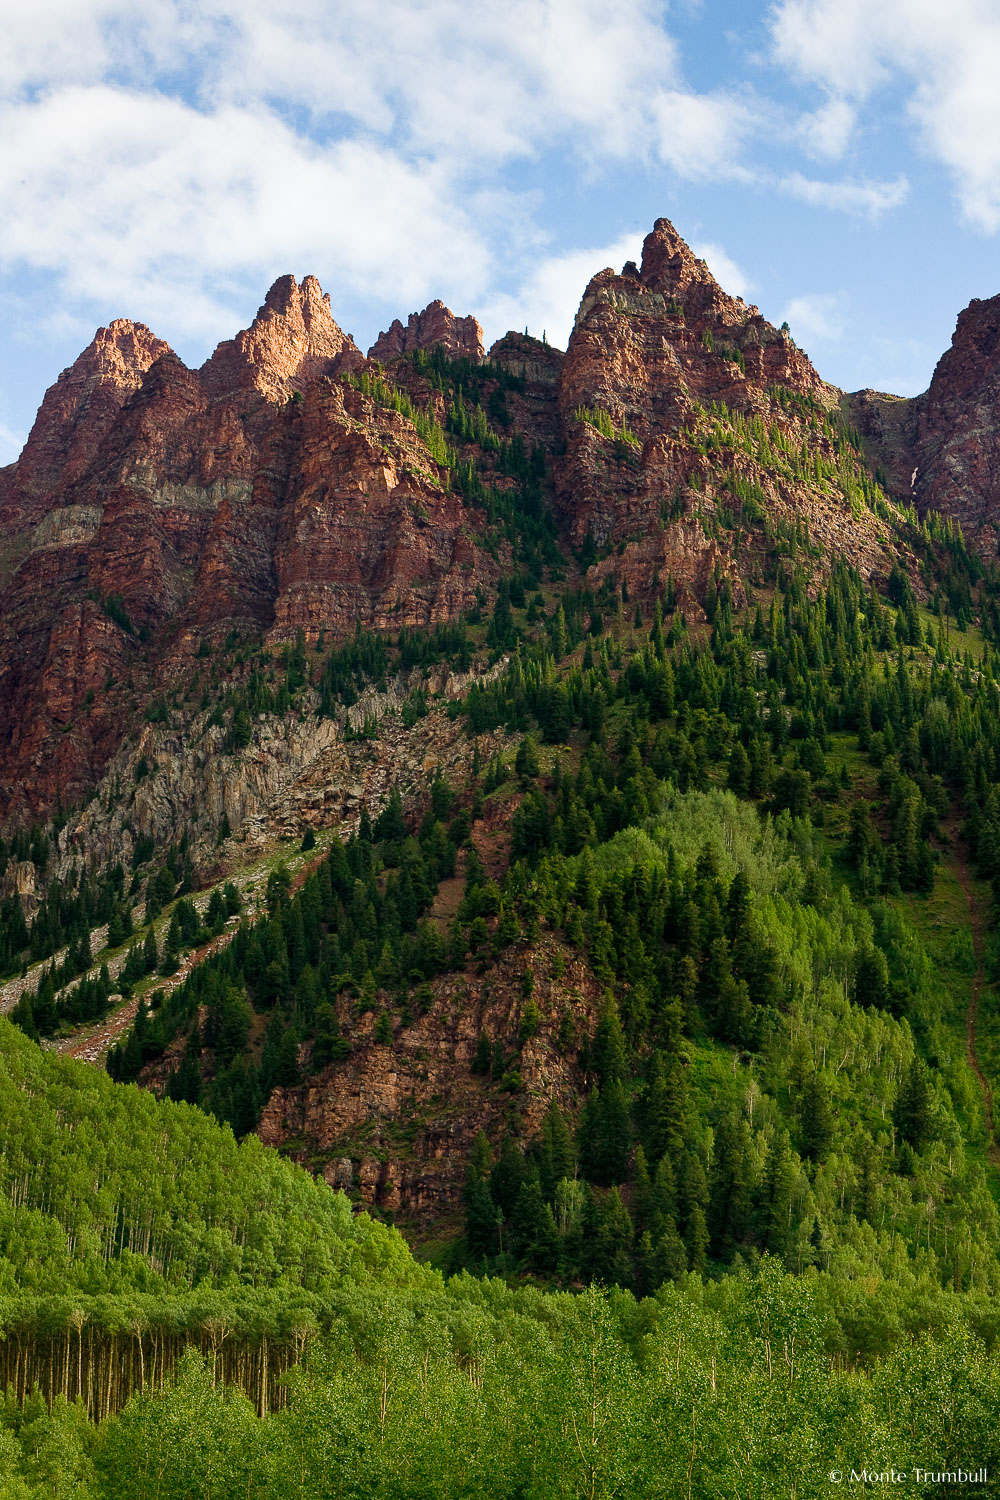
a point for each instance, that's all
(749, 835)
(160, 1233)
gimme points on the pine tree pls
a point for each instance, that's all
(328, 1045)
(608, 1049)
(664, 1106)
(914, 1113)
(390, 825)
(732, 1184)
(642, 1192)
(556, 1156)
(612, 1136)
(481, 1214)
(607, 1247)
(871, 979)
(773, 1207)
(670, 1256)
(507, 1175)
(739, 770)
(815, 1118)
(533, 1230)
(697, 1241)
(481, 1059)
(526, 763)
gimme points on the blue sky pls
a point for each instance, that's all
(836, 161)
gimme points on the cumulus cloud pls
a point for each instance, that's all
(865, 198)
(107, 187)
(487, 81)
(947, 59)
(167, 153)
(827, 131)
(702, 135)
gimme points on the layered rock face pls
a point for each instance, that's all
(955, 438)
(155, 506)
(74, 417)
(941, 450)
(672, 397)
(284, 485)
(460, 338)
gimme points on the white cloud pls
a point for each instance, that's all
(830, 42)
(731, 277)
(152, 197)
(702, 135)
(866, 198)
(485, 82)
(548, 300)
(947, 59)
(827, 132)
(158, 156)
(816, 318)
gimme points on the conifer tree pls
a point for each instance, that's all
(815, 1118)
(914, 1113)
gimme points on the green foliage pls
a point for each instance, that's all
(599, 419)
(475, 1390)
(144, 1223)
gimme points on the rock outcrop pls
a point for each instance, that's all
(290, 484)
(437, 325)
(292, 340)
(672, 398)
(74, 418)
(157, 507)
(377, 1124)
(940, 451)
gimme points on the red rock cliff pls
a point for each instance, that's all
(671, 397)
(259, 491)
(460, 338)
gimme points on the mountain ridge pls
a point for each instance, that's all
(287, 484)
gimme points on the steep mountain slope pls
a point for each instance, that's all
(291, 484)
(940, 450)
(156, 506)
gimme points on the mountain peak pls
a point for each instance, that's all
(286, 298)
(80, 407)
(670, 266)
(291, 341)
(461, 338)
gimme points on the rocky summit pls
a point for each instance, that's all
(289, 483)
